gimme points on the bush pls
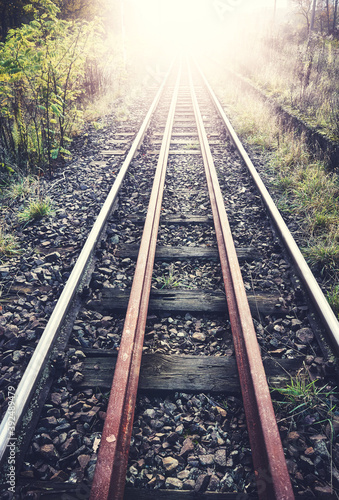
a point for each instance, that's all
(42, 70)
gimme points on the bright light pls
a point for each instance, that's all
(198, 26)
(177, 23)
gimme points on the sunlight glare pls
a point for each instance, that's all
(179, 24)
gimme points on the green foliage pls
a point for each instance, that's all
(325, 256)
(19, 190)
(36, 209)
(8, 244)
(168, 281)
(191, 145)
(42, 74)
(301, 395)
(333, 299)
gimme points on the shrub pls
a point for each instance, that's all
(41, 72)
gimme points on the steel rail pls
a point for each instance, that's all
(272, 477)
(325, 312)
(37, 362)
(110, 472)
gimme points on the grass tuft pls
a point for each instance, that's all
(8, 244)
(324, 256)
(302, 395)
(168, 281)
(20, 190)
(333, 299)
(37, 209)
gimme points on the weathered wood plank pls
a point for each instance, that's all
(179, 253)
(182, 141)
(112, 152)
(183, 373)
(178, 134)
(26, 289)
(174, 219)
(177, 152)
(113, 299)
(186, 220)
(70, 491)
(186, 125)
(179, 141)
(132, 494)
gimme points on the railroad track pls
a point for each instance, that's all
(175, 265)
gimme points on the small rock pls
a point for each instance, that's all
(188, 485)
(49, 421)
(184, 474)
(214, 483)
(309, 359)
(69, 446)
(52, 257)
(293, 436)
(199, 336)
(202, 483)
(4, 271)
(318, 437)
(291, 466)
(56, 398)
(187, 447)
(296, 324)
(170, 463)
(227, 480)
(206, 459)
(173, 482)
(220, 458)
(78, 377)
(305, 335)
(324, 492)
(17, 356)
(49, 452)
(222, 412)
(149, 414)
(173, 437)
(90, 472)
(115, 239)
(321, 449)
(80, 354)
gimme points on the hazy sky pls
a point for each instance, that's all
(194, 18)
(225, 7)
(255, 4)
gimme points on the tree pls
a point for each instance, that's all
(303, 7)
(78, 9)
(318, 14)
(335, 15)
(313, 15)
(42, 73)
(13, 13)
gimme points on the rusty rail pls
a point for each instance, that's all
(273, 481)
(37, 364)
(110, 472)
(325, 311)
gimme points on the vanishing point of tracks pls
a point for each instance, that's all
(189, 123)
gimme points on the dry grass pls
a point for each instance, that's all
(303, 187)
(302, 77)
(8, 244)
